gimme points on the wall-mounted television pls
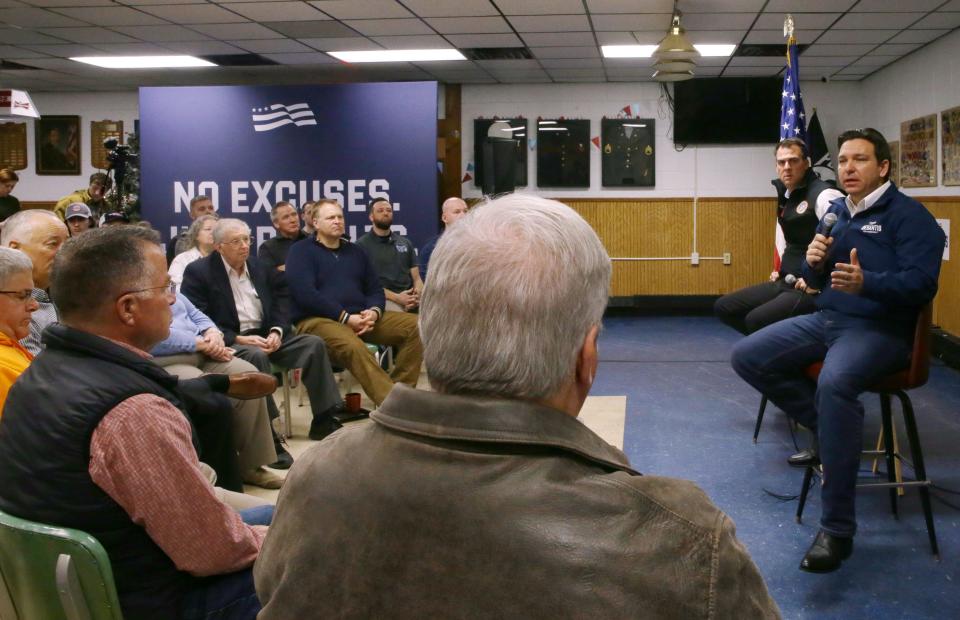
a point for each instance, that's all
(727, 111)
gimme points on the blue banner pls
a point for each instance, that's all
(249, 147)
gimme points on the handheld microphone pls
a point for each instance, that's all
(790, 279)
(829, 221)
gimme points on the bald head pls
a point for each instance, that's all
(453, 209)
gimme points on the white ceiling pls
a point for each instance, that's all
(848, 39)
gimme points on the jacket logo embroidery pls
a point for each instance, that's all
(872, 228)
(802, 207)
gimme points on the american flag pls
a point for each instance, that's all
(793, 120)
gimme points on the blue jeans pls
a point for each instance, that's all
(227, 597)
(855, 353)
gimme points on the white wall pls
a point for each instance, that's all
(925, 82)
(119, 106)
(698, 170)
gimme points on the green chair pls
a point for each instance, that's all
(53, 573)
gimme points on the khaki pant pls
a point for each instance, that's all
(252, 437)
(346, 349)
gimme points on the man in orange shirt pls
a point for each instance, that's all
(16, 306)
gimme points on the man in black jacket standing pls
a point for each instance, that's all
(249, 305)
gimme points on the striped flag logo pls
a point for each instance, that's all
(277, 115)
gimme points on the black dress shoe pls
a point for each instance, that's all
(284, 458)
(325, 426)
(827, 553)
(804, 458)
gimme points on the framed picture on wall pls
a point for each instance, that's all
(518, 131)
(563, 153)
(627, 152)
(57, 141)
(950, 145)
(895, 162)
(918, 152)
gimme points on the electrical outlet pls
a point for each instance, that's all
(695, 258)
(727, 258)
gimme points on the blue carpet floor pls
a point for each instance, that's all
(689, 416)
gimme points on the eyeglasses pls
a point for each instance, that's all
(170, 287)
(22, 296)
(238, 242)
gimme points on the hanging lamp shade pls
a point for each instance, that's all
(675, 66)
(676, 45)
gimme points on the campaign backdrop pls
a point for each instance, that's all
(249, 147)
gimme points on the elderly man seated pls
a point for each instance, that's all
(123, 467)
(16, 306)
(487, 497)
(195, 346)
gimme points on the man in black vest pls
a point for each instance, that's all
(802, 199)
(94, 438)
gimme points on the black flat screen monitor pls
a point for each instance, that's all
(727, 111)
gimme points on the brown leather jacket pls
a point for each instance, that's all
(457, 507)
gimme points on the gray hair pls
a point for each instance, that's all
(189, 240)
(94, 268)
(513, 289)
(283, 203)
(226, 225)
(17, 227)
(13, 262)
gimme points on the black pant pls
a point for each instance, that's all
(212, 417)
(755, 307)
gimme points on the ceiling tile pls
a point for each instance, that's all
(55, 3)
(468, 25)
(711, 36)
(713, 61)
(630, 6)
(272, 46)
(847, 78)
(335, 44)
(306, 58)
(587, 51)
(161, 34)
(878, 21)
(279, 11)
(415, 42)
(362, 9)
(111, 16)
(445, 8)
(717, 21)
(886, 6)
(88, 35)
(757, 61)
(749, 71)
(194, 14)
(805, 21)
(596, 74)
(918, 36)
(632, 21)
(384, 27)
(65, 51)
(11, 52)
(571, 63)
(939, 20)
(772, 37)
(628, 62)
(199, 48)
(837, 50)
(646, 37)
(565, 39)
(895, 49)
(148, 2)
(856, 36)
(726, 6)
(825, 61)
(17, 36)
(874, 61)
(310, 29)
(953, 5)
(238, 31)
(550, 23)
(511, 65)
(485, 40)
(38, 18)
(808, 6)
(132, 49)
(540, 7)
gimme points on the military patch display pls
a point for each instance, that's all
(628, 152)
(563, 153)
(480, 128)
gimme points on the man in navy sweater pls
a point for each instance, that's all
(335, 293)
(876, 269)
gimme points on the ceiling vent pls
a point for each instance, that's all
(239, 60)
(755, 50)
(7, 65)
(497, 53)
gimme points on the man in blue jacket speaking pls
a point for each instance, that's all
(876, 268)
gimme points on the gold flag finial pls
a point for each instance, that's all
(788, 26)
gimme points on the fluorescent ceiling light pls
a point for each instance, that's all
(553, 129)
(646, 51)
(399, 55)
(515, 129)
(546, 122)
(722, 49)
(143, 62)
(633, 125)
(627, 51)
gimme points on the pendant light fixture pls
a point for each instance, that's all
(675, 57)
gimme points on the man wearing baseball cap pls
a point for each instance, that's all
(79, 218)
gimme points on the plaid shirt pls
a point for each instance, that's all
(43, 316)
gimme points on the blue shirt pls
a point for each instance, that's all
(186, 325)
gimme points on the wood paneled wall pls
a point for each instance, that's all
(744, 227)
